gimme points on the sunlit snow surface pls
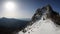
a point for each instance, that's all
(42, 27)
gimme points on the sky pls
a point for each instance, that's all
(25, 8)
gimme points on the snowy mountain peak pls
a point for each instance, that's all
(47, 13)
(46, 10)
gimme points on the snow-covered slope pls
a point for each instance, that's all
(42, 27)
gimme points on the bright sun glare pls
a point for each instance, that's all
(9, 5)
(9, 9)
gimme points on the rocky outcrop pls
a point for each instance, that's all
(47, 13)
(55, 17)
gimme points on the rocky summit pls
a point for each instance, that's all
(48, 13)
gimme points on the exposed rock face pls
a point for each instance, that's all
(55, 17)
(47, 13)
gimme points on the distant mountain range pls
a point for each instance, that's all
(11, 25)
(26, 19)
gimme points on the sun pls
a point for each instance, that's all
(9, 5)
(9, 9)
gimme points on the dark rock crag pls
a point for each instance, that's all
(48, 13)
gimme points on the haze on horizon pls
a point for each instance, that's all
(24, 8)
